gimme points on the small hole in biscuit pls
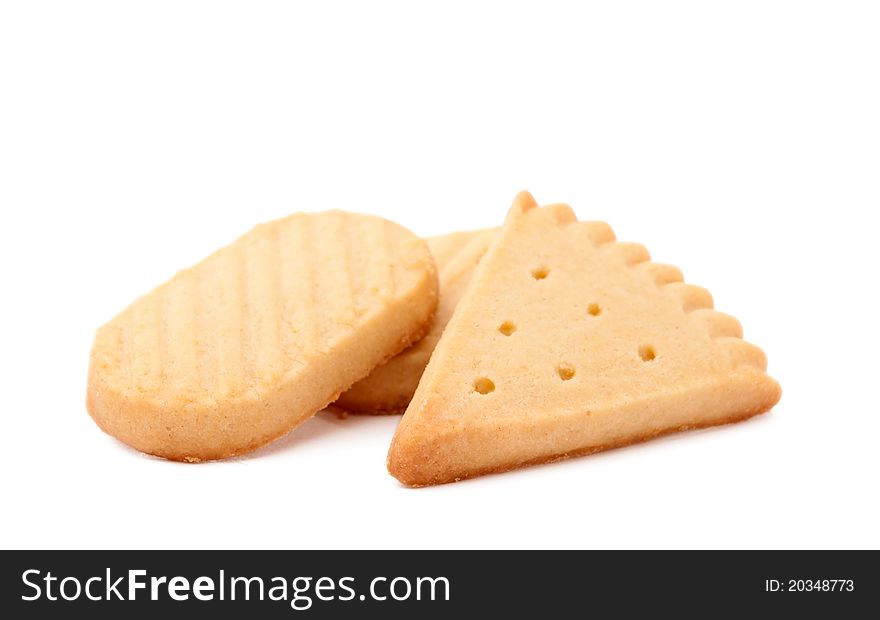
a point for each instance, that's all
(484, 385)
(647, 353)
(507, 328)
(540, 273)
(566, 371)
(594, 309)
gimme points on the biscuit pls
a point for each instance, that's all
(252, 341)
(567, 343)
(389, 388)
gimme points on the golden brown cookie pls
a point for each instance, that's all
(566, 343)
(389, 388)
(255, 339)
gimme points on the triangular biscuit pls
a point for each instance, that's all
(566, 343)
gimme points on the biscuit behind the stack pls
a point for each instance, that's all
(390, 387)
(568, 342)
(244, 346)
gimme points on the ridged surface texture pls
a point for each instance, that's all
(568, 342)
(242, 347)
(389, 388)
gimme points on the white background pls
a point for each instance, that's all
(738, 140)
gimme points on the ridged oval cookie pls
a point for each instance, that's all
(255, 339)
